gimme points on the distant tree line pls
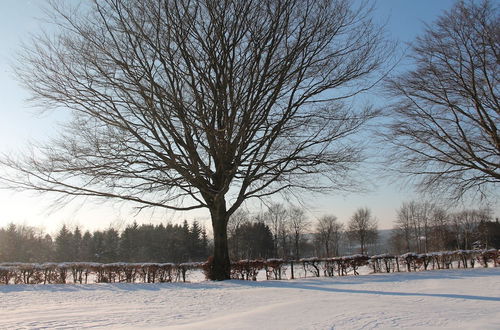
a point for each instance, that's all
(425, 227)
(137, 243)
(277, 232)
(281, 232)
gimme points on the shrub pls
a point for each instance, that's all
(311, 265)
(275, 268)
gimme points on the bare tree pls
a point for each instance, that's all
(466, 225)
(440, 235)
(414, 224)
(236, 220)
(447, 109)
(424, 227)
(298, 225)
(277, 218)
(404, 224)
(362, 227)
(422, 224)
(200, 104)
(329, 231)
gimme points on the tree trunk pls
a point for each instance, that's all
(221, 268)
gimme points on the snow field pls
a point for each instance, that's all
(449, 299)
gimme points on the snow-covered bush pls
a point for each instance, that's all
(275, 268)
(246, 269)
(6, 274)
(165, 272)
(184, 268)
(383, 263)
(329, 266)
(355, 261)
(487, 256)
(311, 265)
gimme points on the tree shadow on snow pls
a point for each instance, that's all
(395, 293)
(325, 284)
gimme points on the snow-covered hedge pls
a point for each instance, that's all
(246, 269)
(85, 272)
(82, 272)
(446, 259)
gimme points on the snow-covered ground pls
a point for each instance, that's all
(450, 299)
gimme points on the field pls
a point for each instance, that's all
(450, 299)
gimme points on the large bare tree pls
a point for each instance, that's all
(447, 108)
(200, 103)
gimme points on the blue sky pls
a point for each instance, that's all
(20, 123)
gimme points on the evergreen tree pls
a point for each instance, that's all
(76, 248)
(97, 246)
(86, 247)
(255, 240)
(204, 243)
(128, 244)
(110, 246)
(195, 242)
(44, 249)
(8, 244)
(63, 245)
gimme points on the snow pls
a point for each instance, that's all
(449, 299)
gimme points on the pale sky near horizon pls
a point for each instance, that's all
(19, 124)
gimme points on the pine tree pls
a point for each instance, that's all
(77, 245)
(63, 245)
(86, 247)
(128, 244)
(110, 246)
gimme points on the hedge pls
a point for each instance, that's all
(275, 269)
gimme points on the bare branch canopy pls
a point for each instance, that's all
(447, 109)
(200, 103)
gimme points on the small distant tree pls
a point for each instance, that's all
(276, 217)
(77, 244)
(195, 244)
(64, 248)
(205, 243)
(298, 225)
(328, 234)
(128, 243)
(362, 227)
(415, 223)
(440, 237)
(44, 248)
(403, 227)
(466, 226)
(489, 232)
(110, 244)
(7, 243)
(238, 218)
(256, 241)
(86, 247)
(97, 249)
(20, 243)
